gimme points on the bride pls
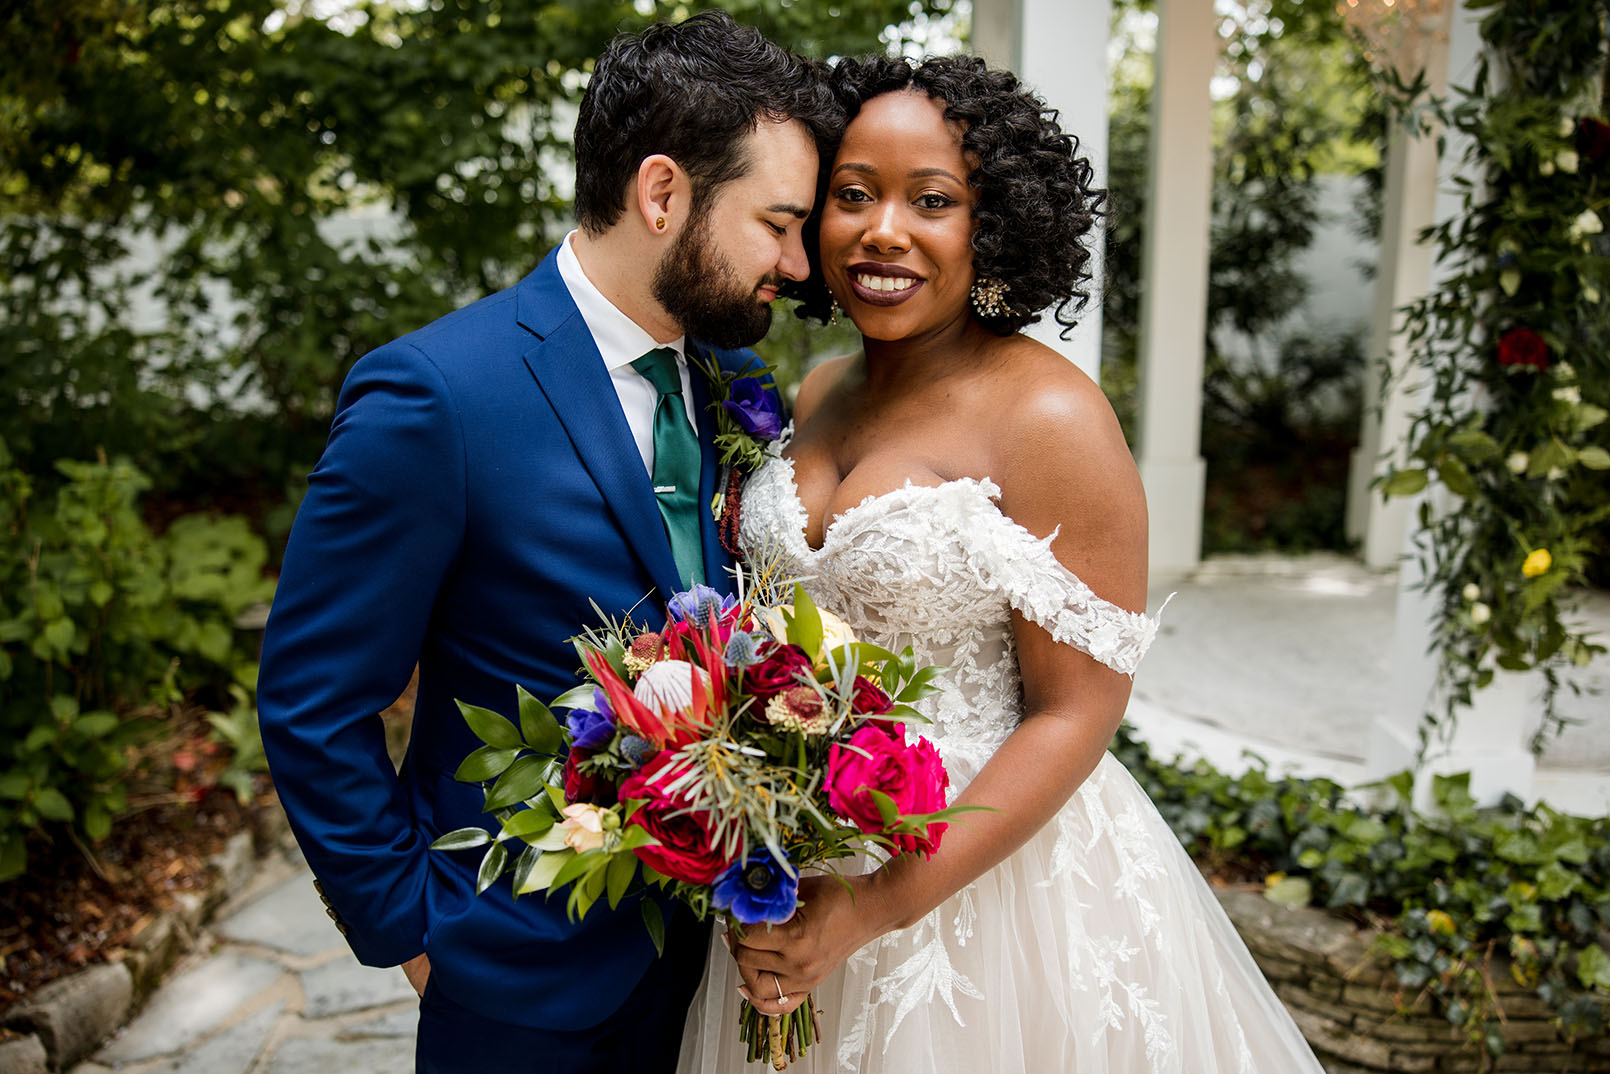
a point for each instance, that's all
(965, 490)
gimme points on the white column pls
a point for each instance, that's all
(1404, 275)
(1490, 738)
(1059, 49)
(1174, 282)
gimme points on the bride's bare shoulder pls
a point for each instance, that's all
(1051, 404)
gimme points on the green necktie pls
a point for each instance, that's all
(676, 463)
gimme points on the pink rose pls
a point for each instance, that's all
(686, 850)
(911, 774)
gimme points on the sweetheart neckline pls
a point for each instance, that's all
(988, 488)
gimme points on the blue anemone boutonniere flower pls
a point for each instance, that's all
(756, 890)
(591, 728)
(755, 409)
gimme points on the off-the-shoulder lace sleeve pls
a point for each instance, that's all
(1022, 566)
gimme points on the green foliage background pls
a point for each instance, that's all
(285, 193)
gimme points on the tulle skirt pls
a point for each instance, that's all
(1097, 948)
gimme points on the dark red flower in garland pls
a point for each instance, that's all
(1593, 139)
(1523, 348)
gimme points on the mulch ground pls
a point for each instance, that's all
(79, 905)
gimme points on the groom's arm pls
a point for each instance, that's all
(381, 524)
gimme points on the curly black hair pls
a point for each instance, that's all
(691, 91)
(1036, 204)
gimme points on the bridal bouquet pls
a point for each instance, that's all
(713, 759)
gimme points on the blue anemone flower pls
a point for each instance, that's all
(591, 728)
(757, 889)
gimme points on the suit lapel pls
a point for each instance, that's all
(569, 370)
(715, 557)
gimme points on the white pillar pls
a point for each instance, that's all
(1059, 50)
(1491, 737)
(1174, 278)
(1404, 275)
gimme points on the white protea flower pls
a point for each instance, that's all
(667, 687)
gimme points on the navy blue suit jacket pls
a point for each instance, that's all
(479, 489)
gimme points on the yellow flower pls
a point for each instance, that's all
(1440, 921)
(1537, 563)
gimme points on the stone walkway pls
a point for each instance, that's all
(272, 989)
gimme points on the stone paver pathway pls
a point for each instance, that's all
(276, 991)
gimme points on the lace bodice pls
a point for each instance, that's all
(941, 568)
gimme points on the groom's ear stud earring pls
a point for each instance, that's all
(659, 223)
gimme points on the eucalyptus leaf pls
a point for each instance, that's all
(622, 868)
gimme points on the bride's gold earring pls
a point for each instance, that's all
(832, 311)
(989, 298)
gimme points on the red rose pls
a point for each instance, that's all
(781, 668)
(868, 699)
(585, 786)
(1593, 139)
(879, 759)
(685, 851)
(1523, 347)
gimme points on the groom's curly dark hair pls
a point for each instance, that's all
(1036, 205)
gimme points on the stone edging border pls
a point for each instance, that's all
(65, 1021)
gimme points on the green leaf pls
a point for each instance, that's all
(887, 810)
(463, 839)
(1593, 967)
(654, 921)
(577, 697)
(490, 727)
(805, 624)
(524, 779)
(538, 726)
(1404, 483)
(1594, 458)
(14, 861)
(581, 865)
(622, 867)
(1456, 477)
(98, 821)
(491, 867)
(14, 784)
(59, 633)
(542, 873)
(523, 866)
(1474, 445)
(487, 762)
(528, 824)
(1554, 881)
(53, 805)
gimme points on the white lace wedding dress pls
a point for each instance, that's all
(1097, 948)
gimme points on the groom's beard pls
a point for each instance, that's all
(700, 290)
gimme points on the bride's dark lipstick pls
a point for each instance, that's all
(874, 297)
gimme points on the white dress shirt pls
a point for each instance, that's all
(622, 341)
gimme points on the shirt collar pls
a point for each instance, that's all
(620, 339)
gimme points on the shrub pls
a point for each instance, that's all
(103, 624)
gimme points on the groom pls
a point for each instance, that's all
(486, 479)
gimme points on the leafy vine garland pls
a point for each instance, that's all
(1512, 354)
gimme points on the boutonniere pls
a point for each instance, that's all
(748, 418)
